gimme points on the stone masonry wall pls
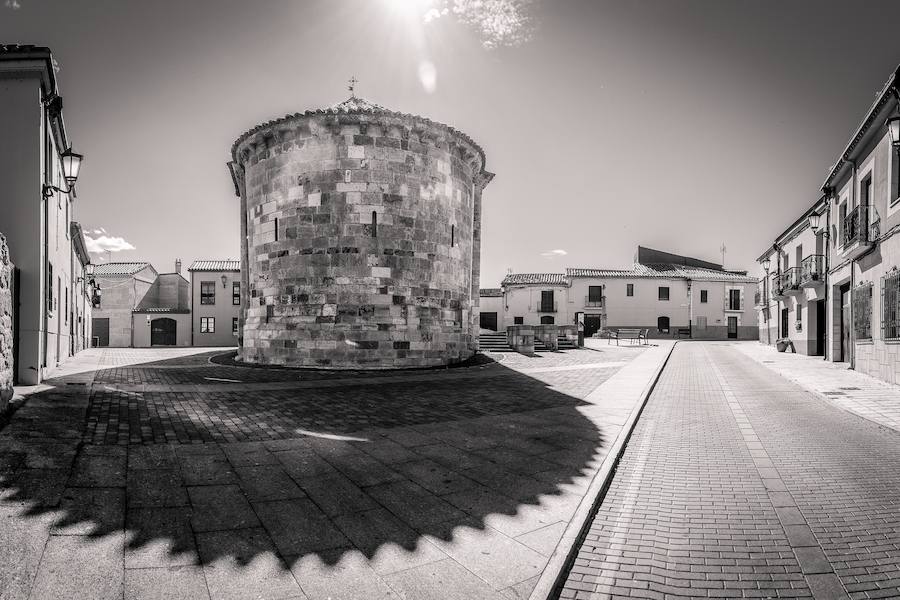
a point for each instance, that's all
(6, 326)
(361, 241)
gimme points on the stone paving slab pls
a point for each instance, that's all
(738, 483)
(851, 390)
(423, 488)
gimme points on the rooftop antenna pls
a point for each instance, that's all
(352, 85)
(723, 249)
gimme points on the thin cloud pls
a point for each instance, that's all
(499, 23)
(13, 4)
(554, 253)
(106, 243)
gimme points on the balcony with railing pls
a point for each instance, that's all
(594, 301)
(786, 283)
(862, 227)
(812, 271)
(779, 286)
(546, 307)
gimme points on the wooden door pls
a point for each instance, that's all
(732, 328)
(163, 332)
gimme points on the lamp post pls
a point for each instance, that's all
(766, 265)
(224, 280)
(71, 165)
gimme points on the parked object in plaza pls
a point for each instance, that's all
(361, 233)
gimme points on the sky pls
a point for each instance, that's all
(680, 125)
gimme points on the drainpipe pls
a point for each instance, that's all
(829, 194)
(852, 347)
(777, 252)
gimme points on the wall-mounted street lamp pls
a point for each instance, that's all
(893, 127)
(766, 265)
(71, 165)
(224, 279)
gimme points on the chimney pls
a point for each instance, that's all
(178, 265)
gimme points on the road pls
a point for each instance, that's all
(738, 483)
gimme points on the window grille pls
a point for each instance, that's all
(862, 311)
(236, 293)
(890, 306)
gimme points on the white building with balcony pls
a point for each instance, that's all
(668, 294)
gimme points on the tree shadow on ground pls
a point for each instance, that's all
(367, 465)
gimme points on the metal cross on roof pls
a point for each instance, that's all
(352, 81)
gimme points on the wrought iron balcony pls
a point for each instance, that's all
(594, 302)
(812, 271)
(787, 283)
(862, 228)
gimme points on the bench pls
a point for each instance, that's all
(627, 334)
(683, 331)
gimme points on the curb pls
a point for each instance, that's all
(553, 575)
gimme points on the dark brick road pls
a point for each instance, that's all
(737, 483)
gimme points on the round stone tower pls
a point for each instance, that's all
(360, 239)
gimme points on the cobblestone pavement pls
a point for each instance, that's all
(738, 483)
(857, 392)
(439, 484)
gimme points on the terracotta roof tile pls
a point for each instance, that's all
(535, 279)
(215, 265)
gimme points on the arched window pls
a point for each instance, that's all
(662, 324)
(547, 320)
(374, 223)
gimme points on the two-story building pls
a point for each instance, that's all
(853, 232)
(791, 295)
(139, 307)
(668, 294)
(38, 170)
(215, 302)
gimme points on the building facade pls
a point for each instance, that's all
(215, 302)
(360, 231)
(668, 294)
(857, 222)
(36, 211)
(140, 307)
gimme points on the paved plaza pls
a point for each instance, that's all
(158, 474)
(740, 483)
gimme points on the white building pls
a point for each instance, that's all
(215, 302)
(37, 200)
(668, 294)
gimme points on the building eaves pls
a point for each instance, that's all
(119, 268)
(535, 279)
(215, 265)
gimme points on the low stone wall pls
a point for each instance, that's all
(521, 338)
(6, 326)
(548, 334)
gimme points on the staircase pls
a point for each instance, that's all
(566, 344)
(493, 342)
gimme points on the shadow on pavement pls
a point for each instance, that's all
(368, 465)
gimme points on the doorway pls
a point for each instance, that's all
(784, 323)
(592, 324)
(163, 332)
(100, 330)
(732, 328)
(488, 320)
(845, 323)
(820, 328)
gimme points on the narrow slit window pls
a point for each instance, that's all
(374, 223)
(276, 229)
(452, 235)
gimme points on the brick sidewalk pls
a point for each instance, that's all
(738, 483)
(441, 485)
(857, 392)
